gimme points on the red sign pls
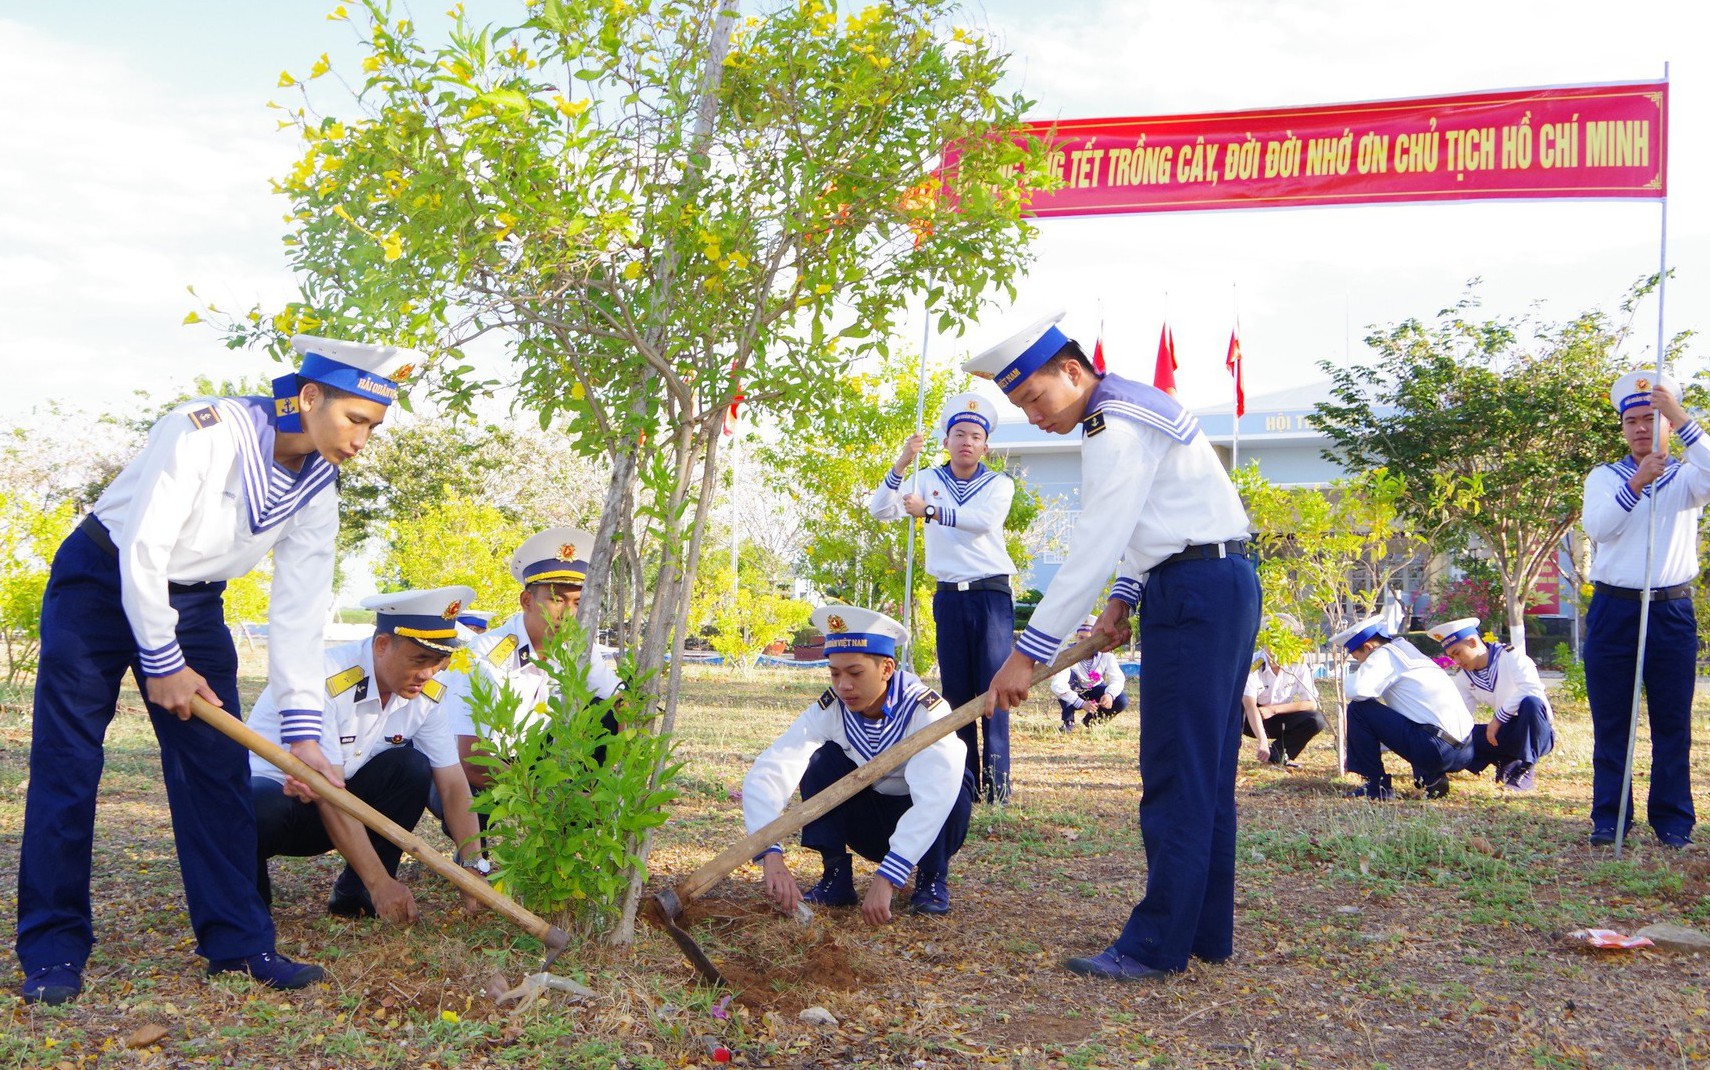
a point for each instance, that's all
(1599, 141)
(1548, 589)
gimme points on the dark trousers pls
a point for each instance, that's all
(1611, 655)
(1094, 713)
(1372, 726)
(1525, 737)
(976, 631)
(86, 649)
(865, 821)
(394, 782)
(1198, 620)
(1293, 730)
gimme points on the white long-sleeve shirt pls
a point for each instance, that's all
(504, 655)
(1617, 520)
(965, 542)
(1507, 678)
(205, 501)
(931, 779)
(1411, 684)
(1293, 683)
(1101, 668)
(357, 726)
(1151, 487)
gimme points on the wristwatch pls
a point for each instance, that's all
(931, 513)
(480, 865)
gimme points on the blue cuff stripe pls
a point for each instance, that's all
(892, 480)
(896, 869)
(162, 661)
(1126, 590)
(297, 726)
(1626, 499)
(1037, 645)
(947, 517)
(775, 849)
(1689, 432)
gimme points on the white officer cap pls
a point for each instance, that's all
(1360, 634)
(428, 617)
(853, 630)
(1451, 632)
(1634, 389)
(1011, 361)
(556, 555)
(968, 408)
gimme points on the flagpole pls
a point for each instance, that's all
(1650, 530)
(1235, 450)
(914, 486)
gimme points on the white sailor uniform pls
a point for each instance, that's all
(387, 752)
(1617, 521)
(505, 656)
(1080, 686)
(1403, 700)
(973, 606)
(914, 815)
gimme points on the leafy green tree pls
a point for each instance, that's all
(846, 554)
(753, 620)
(29, 534)
(1516, 407)
(456, 542)
(653, 208)
(1326, 557)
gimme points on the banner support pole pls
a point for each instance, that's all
(914, 487)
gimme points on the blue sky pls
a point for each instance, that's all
(138, 147)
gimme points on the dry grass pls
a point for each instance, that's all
(1409, 935)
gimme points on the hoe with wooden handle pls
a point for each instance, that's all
(552, 936)
(666, 908)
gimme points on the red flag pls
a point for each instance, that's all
(1233, 363)
(1164, 377)
(736, 398)
(1098, 351)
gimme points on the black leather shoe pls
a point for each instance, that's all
(1379, 790)
(1438, 788)
(1674, 841)
(1603, 836)
(931, 894)
(271, 969)
(357, 904)
(836, 887)
(53, 985)
(1112, 965)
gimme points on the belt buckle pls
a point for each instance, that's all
(1222, 550)
(963, 585)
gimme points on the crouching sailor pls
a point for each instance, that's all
(1522, 729)
(389, 737)
(1402, 700)
(1095, 687)
(915, 815)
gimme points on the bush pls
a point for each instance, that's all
(569, 801)
(1573, 672)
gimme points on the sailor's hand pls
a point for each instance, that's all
(1010, 685)
(876, 907)
(911, 449)
(173, 691)
(1651, 468)
(308, 751)
(1113, 627)
(781, 886)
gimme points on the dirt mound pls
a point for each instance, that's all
(773, 963)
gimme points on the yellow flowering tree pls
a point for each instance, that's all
(655, 206)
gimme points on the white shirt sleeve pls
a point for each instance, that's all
(297, 613)
(1060, 686)
(987, 512)
(171, 469)
(1376, 674)
(886, 502)
(934, 779)
(1118, 466)
(775, 774)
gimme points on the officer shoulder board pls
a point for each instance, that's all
(827, 699)
(927, 698)
(434, 690)
(502, 650)
(340, 682)
(203, 418)
(1093, 424)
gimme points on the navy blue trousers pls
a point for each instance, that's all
(394, 782)
(1525, 737)
(86, 648)
(976, 632)
(1671, 668)
(1093, 712)
(1372, 725)
(865, 821)
(1198, 620)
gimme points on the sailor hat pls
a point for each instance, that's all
(1011, 361)
(556, 555)
(428, 617)
(853, 630)
(367, 371)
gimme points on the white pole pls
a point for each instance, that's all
(1650, 537)
(1235, 451)
(914, 484)
(735, 518)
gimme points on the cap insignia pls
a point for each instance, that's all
(1642, 384)
(567, 552)
(402, 373)
(451, 610)
(835, 623)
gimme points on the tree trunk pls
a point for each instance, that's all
(1516, 615)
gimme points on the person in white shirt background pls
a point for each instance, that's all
(1402, 700)
(1095, 687)
(1521, 729)
(964, 505)
(1281, 706)
(219, 484)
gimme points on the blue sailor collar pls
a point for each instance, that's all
(272, 492)
(963, 489)
(1485, 679)
(1626, 466)
(870, 735)
(1124, 399)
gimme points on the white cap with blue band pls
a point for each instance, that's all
(1634, 389)
(1451, 632)
(1360, 634)
(369, 372)
(1011, 361)
(428, 617)
(853, 630)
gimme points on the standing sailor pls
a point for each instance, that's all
(1619, 500)
(1521, 729)
(219, 483)
(964, 505)
(1159, 505)
(916, 815)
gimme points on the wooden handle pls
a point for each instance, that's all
(795, 817)
(341, 799)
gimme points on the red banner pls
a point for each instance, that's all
(1601, 141)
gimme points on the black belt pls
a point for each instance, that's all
(1637, 594)
(984, 583)
(1232, 548)
(96, 531)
